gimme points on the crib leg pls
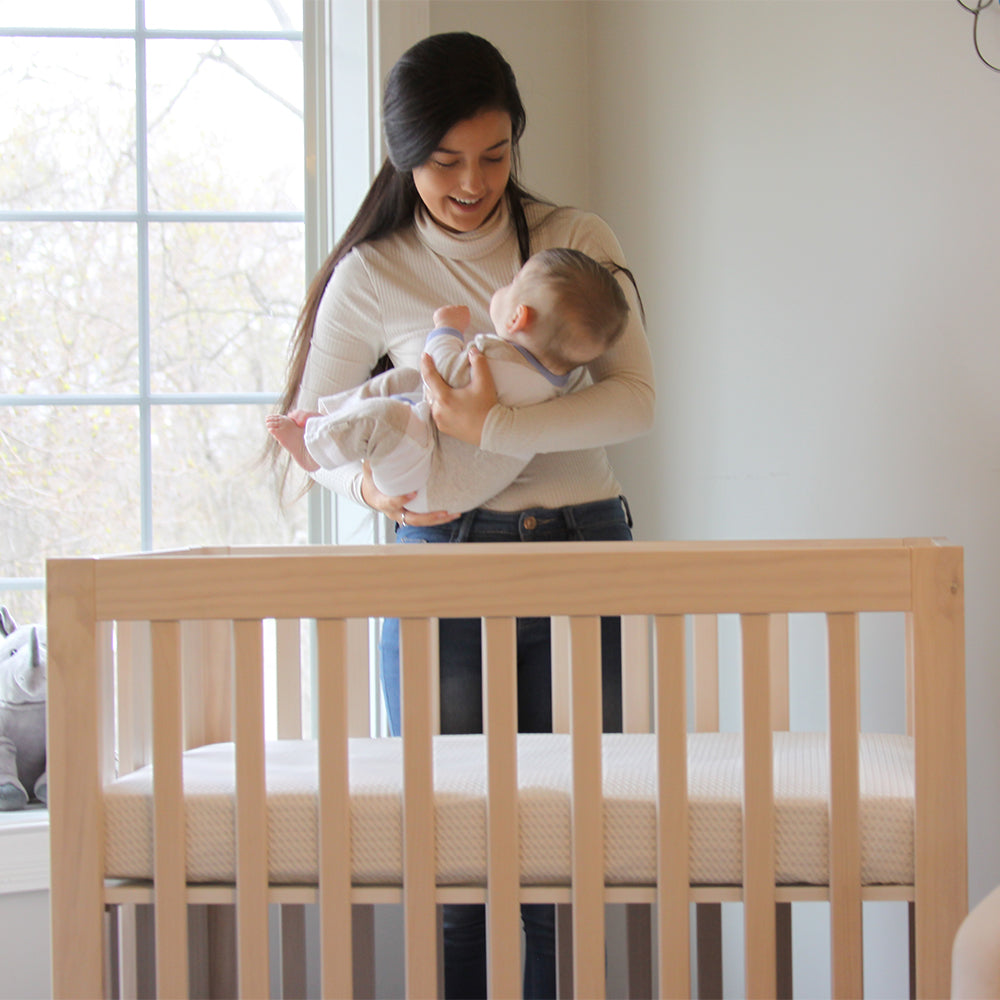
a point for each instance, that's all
(912, 921)
(363, 939)
(638, 932)
(564, 951)
(145, 952)
(293, 951)
(222, 951)
(111, 954)
(783, 944)
(708, 923)
(199, 957)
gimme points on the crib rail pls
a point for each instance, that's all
(196, 618)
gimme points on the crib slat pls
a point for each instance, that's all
(672, 874)
(778, 632)
(208, 694)
(705, 638)
(708, 916)
(778, 639)
(503, 923)
(758, 810)
(420, 925)
(334, 819)
(169, 863)
(845, 820)
(559, 625)
(358, 681)
(134, 701)
(636, 674)
(251, 813)
(288, 642)
(106, 674)
(588, 807)
(637, 711)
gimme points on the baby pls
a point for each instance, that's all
(562, 310)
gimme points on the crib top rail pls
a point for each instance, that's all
(485, 580)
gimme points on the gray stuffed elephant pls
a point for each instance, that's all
(22, 713)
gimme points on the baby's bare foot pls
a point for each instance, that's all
(291, 436)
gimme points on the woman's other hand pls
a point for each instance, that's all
(461, 413)
(395, 507)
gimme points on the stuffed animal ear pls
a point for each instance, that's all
(7, 625)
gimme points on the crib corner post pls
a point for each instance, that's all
(74, 765)
(940, 831)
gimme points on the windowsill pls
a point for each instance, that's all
(24, 850)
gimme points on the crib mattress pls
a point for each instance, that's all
(801, 779)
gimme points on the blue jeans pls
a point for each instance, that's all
(462, 704)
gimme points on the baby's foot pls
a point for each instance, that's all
(291, 436)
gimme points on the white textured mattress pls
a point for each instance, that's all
(715, 787)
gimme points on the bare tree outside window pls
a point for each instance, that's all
(152, 260)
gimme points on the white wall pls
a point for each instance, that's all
(809, 194)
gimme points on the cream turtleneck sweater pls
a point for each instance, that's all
(380, 300)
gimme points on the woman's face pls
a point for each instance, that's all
(464, 179)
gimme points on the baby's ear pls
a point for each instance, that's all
(523, 318)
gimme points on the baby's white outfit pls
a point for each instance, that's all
(387, 421)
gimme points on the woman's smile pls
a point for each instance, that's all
(464, 179)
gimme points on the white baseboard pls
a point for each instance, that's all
(24, 850)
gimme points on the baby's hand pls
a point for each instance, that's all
(457, 317)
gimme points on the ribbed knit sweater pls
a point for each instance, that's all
(380, 300)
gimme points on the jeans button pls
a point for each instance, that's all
(530, 523)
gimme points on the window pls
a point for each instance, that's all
(154, 243)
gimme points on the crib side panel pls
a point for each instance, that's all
(935, 639)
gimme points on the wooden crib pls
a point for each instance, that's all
(153, 656)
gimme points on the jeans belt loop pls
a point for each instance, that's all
(626, 509)
(569, 519)
(465, 524)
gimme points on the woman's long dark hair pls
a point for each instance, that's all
(440, 81)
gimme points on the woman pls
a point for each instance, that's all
(446, 221)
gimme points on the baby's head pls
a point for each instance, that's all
(562, 306)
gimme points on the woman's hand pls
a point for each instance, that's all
(461, 413)
(395, 507)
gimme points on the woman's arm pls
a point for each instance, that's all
(617, 407)
(347, 341)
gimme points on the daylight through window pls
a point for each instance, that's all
(152, 241)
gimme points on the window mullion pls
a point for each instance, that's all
(143, 304)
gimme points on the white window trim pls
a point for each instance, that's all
(24, 850)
